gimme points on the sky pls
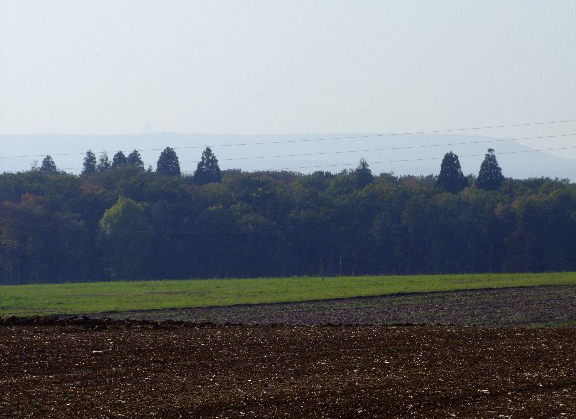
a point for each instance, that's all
(293, 66)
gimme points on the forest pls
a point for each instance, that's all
(118, 220)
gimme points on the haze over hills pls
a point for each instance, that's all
(416, 154)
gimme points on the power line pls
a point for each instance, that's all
(325, 153)
(303, 140)
(395, 148)
(428, 158)
(396, 134)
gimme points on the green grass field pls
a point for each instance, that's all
(80, 298)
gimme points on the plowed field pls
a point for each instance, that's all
(112, 369)
(529, 306)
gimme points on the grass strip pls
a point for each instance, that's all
(80, 298)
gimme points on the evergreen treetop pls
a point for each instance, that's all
(48, 165)
(451, 179)
(103, 163)
(490, 177)
(168, 163)
(119, 159)
(207, 170)
(363, 174)
(89, 165)
(135, 159)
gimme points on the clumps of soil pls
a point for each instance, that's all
(530, 306)
(87, 368)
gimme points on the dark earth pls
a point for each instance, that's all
(80, 367)
(529, 306)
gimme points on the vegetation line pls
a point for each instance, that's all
(81, 298)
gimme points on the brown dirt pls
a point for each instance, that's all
(530, 306)
(81, 368)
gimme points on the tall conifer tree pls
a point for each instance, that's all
(103, 163)
(89, 165)
(48, 165)
(451, 178)
(490, 177)
(168, 163)
(135, 159)
(119, 159)
(207, 170)
(363, 174)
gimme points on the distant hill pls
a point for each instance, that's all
(409, 154)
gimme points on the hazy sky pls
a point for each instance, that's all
(291, 66)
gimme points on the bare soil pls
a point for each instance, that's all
(87, 368)
(349, 358)
(530, 306)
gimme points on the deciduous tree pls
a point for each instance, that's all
(125, 238)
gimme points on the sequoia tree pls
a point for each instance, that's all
(451, 178)
(89, 165)
(490, 177)
(119, 159)
(168, 163)
(363, 174)
(48, 165)
(207, 170)
(103, 163)
(135, 159)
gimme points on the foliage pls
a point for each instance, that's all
(119, 159)
(135, 159)
(48, 165)
(490, 177)
(56, 227)
(207, 170)
(168, 164)
(125, 239)
(103, 163)
(363, 174)
(89, 165)
(451, 179)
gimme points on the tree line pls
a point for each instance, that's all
(118, 220)
(168, 164)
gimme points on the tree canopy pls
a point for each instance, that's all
(490, 177)
(207, 170)
(90, 165)
(125, 239)
(135, 159)
(168, 163)
(103, 163)
(363, 174)
(48, 165)
(119, 159)
(451, 179)
(125, 222)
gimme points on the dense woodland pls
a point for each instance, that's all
(119, 220)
